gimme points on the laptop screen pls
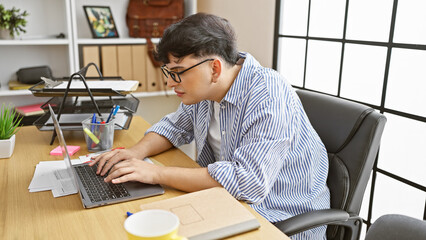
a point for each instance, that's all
(64, 149)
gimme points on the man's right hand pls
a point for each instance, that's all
(107, 160)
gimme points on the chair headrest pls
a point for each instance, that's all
(336, 120)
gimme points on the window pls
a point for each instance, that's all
(372, 52)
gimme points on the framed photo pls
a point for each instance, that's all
(101, 22)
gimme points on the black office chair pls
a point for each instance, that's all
(351, 133)
(397, 227)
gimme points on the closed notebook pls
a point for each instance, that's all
(30, 110)
(208, 214)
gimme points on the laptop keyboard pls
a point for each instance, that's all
(96, 188)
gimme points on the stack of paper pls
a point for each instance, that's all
(53, 175)
(118, 85)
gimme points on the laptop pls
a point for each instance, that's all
(93, 191)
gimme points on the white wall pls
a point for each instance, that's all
(253, 21)
(152, 109)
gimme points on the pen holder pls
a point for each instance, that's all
(99, 136)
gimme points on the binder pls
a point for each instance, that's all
(153, 76)
(91, 54)
(109, 61)
(124, 62)
(139, 65)
(130, 62)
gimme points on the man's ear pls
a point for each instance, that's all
(216, 69)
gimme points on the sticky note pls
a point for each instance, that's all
(71, 150)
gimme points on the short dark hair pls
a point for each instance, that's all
(200, 34)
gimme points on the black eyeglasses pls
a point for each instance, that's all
(172, 74)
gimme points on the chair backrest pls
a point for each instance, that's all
(397, 227)
(351, 133)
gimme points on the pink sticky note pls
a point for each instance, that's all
(71, 150)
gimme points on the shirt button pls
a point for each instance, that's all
(223, 157)
(223, 107)
(223, 133)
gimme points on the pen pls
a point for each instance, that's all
(110, 113)
(91, 135)
(113, 113)
(93, 121)
(117, 148)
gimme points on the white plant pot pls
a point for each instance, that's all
(6, 147)
(5, 34)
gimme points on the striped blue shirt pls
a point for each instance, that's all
(270, 155)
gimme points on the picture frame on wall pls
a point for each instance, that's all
(101, 21)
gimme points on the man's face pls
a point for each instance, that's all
(195, 85)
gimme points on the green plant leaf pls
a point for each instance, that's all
(9, 122)
(13, 20)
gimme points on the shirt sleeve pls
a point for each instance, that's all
(256, 163)
(177, 127)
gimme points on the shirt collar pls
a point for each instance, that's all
(242, 81)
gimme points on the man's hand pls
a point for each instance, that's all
(127, 165)
(107, 160)
(134, 170)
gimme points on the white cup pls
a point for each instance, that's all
(154, 224)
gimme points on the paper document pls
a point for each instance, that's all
(119, 119)
(49, 175)
(41, 180)
(63, 183)
(119, 85)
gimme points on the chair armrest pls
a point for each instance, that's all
(306, 221)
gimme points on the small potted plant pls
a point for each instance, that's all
(9, 122)
(12, 22)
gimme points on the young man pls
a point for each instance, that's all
(251, 132)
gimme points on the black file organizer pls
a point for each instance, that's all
(84, 109)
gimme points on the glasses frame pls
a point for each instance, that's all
(173, 74)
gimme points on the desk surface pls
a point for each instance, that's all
(25, 215)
